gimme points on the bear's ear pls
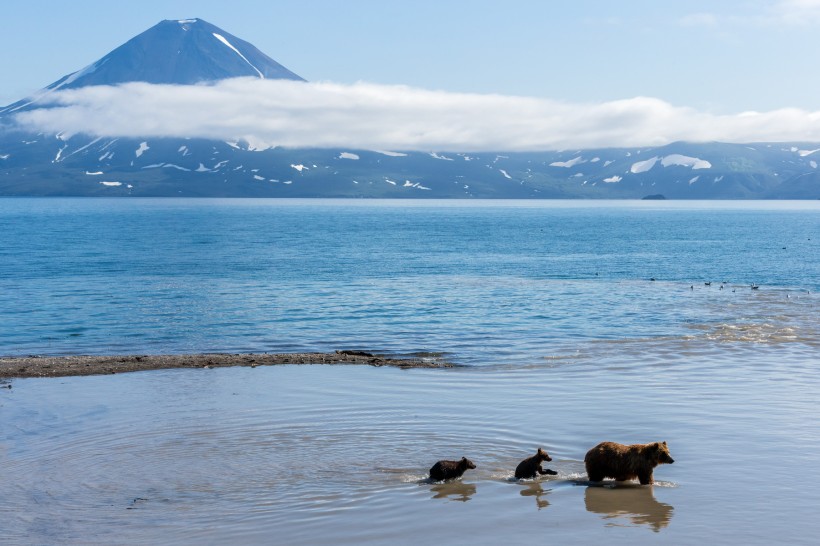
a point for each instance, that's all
(664, 444)
(656, 446)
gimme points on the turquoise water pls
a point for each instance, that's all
(483, 282)
(565, 338)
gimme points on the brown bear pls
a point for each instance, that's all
(445, 470)
(623, 463)
(529, 468)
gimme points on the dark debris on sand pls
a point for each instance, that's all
(61, 366)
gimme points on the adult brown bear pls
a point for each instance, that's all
(623, 463)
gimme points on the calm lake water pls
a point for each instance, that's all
(565, 338)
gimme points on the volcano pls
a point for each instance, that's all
(183, 52)
(192, 51)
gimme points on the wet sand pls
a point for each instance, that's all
(62, 366)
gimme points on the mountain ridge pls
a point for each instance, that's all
(41, 164)
(84, 166)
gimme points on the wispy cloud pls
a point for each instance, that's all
(369, 116)
(799, 12)
(775, 13)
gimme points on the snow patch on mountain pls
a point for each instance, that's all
(141, 150)
(71, 78)
(390, 154)
(227, 43)
(408, 184)
(613, 179)
(503, 172)
(643, 166)
(177, 167)
(59, 153)
(568, 164)
(348, 155)
(80, 149)
(669, 161)
(685, 161)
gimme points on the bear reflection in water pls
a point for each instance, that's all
(454, 490)
(633, 502)
(535, 489)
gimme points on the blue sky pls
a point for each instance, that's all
(682, 59)
(722, 56)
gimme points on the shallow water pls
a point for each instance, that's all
(565, 339)
(323, 454)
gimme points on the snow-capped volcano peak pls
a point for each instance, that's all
(183, 51)
(180, 51)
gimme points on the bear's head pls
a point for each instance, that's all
(466, 463)
(660, 453)
(543, 455)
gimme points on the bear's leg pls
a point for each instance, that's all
(547, 472)
(645, 478)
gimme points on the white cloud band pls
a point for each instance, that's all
(369, 116)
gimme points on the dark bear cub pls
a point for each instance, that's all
(624, 463)
(446, 470)
(529, 468)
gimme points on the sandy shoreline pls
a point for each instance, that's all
(62, 366)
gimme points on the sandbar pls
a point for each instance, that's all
(62, 366)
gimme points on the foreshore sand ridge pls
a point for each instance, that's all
(62, 366)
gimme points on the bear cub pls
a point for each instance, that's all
(445, 470)
(530, 467)
(624, 463)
